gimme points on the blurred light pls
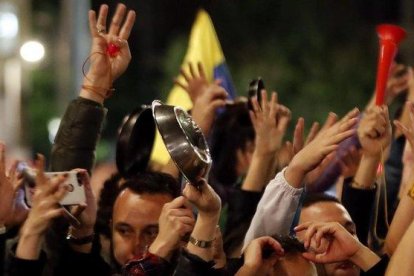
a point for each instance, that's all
(53, 127)
(9, 25)
(32, 51)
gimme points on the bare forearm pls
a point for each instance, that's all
(29, 246)
(204, 230)
(403, 217)
(259, 172)
(402, 261)
(365, 258)
(367, 170)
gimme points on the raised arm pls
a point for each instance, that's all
(44, 209)
(81, 125)
(276, 209)
(404, 214)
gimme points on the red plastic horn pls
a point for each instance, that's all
(389, 38)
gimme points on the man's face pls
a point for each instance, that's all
(135, 223)
(329, 212)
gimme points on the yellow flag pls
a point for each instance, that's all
(203, 47)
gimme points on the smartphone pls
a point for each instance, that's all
(76, 189)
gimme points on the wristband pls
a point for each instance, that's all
(200, 243)
(356, 185)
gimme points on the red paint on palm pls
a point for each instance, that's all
(112, 49)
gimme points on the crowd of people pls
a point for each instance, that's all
(267, 192)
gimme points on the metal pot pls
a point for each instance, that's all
(135, 141)
(183, 139)
(255, 90)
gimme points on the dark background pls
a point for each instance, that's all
(319, 55)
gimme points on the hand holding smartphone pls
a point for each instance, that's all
(74, 183)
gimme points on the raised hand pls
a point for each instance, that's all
(45, 207)
(325, 142)
(175, 222)
(270, 121)
(206, 97)
(374, 130)
(329, 242)
(254, 262)
(196, 83)
(104, 67)
(9, 185)
(204, 198)
(85, 213)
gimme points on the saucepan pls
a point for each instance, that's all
(135, 141)
(255, 90)
(184, 140)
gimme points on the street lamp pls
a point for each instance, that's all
(32, 51)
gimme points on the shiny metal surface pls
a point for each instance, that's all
(183, 139)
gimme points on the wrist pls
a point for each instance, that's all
(209, 217)
(161, 249)
(364, 258)
(96, 89)
(29, 246)
(294, 174)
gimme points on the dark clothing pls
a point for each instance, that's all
(2, 249)
(26, 267)
(379, 268)
(393, 173)
(360, 205)
(149, 265)
(78, 135)
(241, 208)
(189, 264)
(74, 147)
(76, 263)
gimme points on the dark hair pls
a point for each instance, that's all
(152, 183)
(290, 244)
(232, 130)
(145, 182)
(312, 198)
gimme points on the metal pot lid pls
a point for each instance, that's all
(255, 88)
(183, 139)
(135, 141)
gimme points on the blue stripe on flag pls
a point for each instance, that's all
(222, 72)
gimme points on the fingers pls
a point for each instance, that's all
(78, 210)
(40, 166)
(313, 132)
(298, 142)
(191, 69)
(117, 20)
(201, 70)
(2, 159)
(179, 83)
(185, 75)
(92, 23)
(273, 105)
(330, 121)
(264, 104)
(176, 203)
(127, 27)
